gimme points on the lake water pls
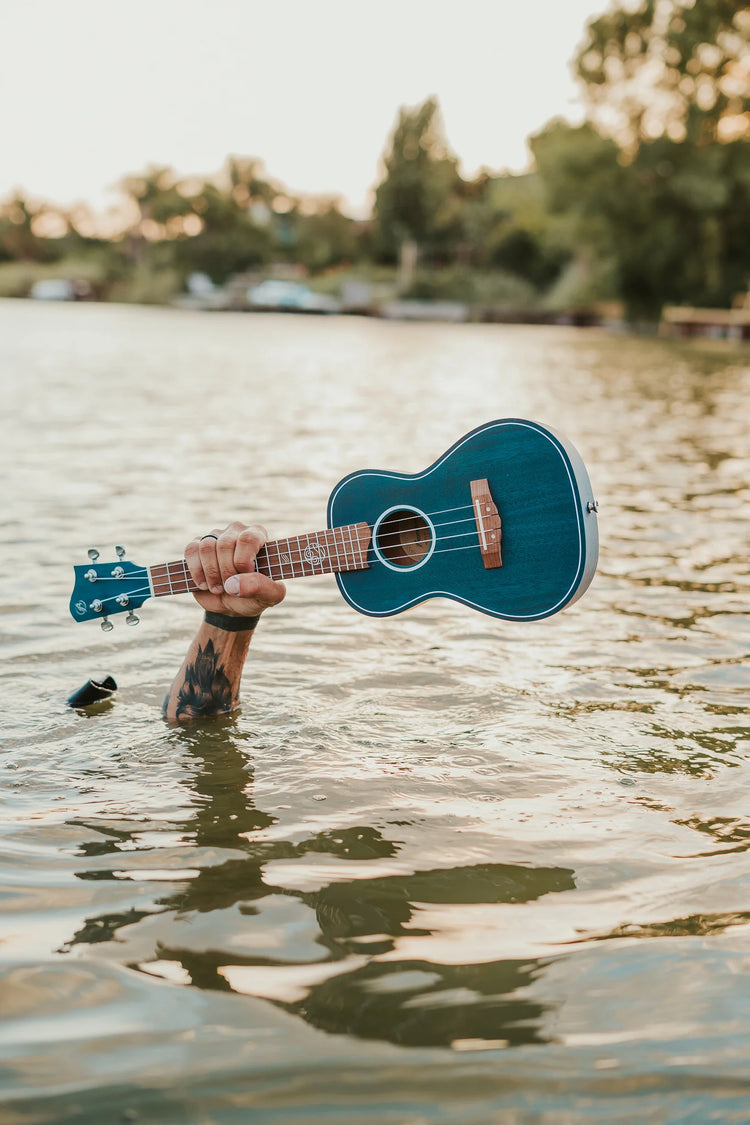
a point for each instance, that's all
(440, 868)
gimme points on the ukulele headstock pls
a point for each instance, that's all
(103, 589)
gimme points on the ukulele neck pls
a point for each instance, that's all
(320, 552)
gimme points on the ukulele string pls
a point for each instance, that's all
(147, 590)
(143, 573)
(431, 515)
(167, 579)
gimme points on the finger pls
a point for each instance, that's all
(225, 553)
(193, 560)
(249, 542)
(256, 587)
(209, 562)
(226, 549)
(195, 566)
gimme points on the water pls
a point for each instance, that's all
(439, 868)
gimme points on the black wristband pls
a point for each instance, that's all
(230, 624)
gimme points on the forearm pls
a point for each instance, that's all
(208, 682)
(232, 593)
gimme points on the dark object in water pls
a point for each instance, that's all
(93, 691)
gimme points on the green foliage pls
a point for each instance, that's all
(157, 198)
(240, 221)
(667, 224)
(18, 239)
(675, 68)
(17, 278)
(653, 192)
(496, 288)
(417, 199)
(147, 285)
(326, 237)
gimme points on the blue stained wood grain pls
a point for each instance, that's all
(541, 489)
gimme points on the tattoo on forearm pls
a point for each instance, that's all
(206, 689)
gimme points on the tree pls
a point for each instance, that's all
(675, 68)
(654, 189)
(20, 239)
(416, 200)
(157, 198)
(325, 237)
(666, 225)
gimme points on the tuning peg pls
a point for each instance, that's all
(132, 619)
(120, 552)
(93, 554)
(107, 625)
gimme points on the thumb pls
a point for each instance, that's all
(258, 587)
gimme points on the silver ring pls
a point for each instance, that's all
(209, 536)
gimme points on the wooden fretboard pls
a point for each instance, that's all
(320, 552)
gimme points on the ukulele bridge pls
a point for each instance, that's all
(489, 524)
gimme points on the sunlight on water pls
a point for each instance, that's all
(421, 875)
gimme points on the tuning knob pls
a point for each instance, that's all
(132, 619)
(120, 552)
(93, 554)
(107, 625)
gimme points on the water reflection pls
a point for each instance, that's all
(694, 925)
(421, 1004)
(412, 1002)
(730, 831)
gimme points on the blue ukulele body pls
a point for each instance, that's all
(426, 534)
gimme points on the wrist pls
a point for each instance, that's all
(229, 623)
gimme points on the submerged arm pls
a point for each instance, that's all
(208, 682)
(233, 594)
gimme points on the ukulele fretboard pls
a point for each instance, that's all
(319, 552)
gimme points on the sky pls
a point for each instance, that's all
(91, 90)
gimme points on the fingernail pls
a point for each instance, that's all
(232, 585)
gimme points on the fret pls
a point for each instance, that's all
(343, 562)
(302, 561)
(292, 552)
(185, 576)
(262, 562)
(363, 542)
(307, 556)
(351, 542)
(279, 563)
(298, 562)
(333, 550)
(176, 572)
(345, 533)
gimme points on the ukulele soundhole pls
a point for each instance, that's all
(403, 537)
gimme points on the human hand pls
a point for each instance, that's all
(222, 565)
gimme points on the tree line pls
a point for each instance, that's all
(646, 202)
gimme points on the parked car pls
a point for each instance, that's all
(60, 289)
(290, 296)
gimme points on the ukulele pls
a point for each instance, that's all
(504, 522)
